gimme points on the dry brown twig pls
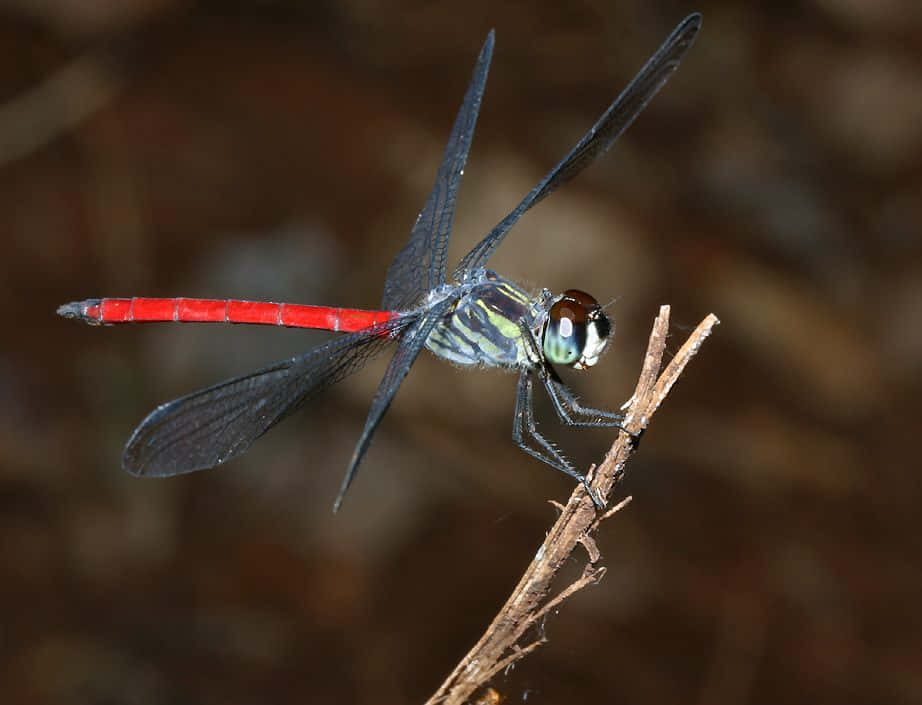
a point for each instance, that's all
(499, 648)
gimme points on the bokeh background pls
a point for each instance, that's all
(281, 150)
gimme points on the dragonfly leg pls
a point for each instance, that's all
(569, 410)
(572, 413)
(525, 431)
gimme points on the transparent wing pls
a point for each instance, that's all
(411, 344)
(420, 265)
(614, 121)
(211, 426)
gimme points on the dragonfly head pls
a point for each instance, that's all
(577, 330)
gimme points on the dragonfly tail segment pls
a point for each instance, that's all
(184, 310)
(81, 311)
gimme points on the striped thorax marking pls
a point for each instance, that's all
(484, 327)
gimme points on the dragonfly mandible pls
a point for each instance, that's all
(472, 317)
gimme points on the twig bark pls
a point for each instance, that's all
(499, 648)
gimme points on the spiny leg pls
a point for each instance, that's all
(569, 410)
(525, 429)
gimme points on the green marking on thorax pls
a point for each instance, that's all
(505, 325)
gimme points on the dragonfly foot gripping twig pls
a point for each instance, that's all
(529, 603)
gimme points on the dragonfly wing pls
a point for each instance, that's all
(420, 265)
(211, 426)
(411, 345)
(614, 121)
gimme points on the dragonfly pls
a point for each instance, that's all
(470, 316)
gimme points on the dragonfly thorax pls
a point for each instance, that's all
(576, 330)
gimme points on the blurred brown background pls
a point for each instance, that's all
(281, 150)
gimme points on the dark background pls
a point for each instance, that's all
(281, 150)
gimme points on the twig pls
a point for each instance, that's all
(528, 603)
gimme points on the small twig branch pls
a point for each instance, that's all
(499, 648)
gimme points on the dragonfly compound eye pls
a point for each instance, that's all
(577, 330)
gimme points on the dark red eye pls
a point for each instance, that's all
(574, 320)
(582, 298)
(593, 311)
(568, 308)
(565, 332)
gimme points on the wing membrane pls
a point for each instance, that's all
(420, 265)
(411, 344)
(213, 425)
(614, 121)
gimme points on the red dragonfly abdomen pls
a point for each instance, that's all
(182, 310)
